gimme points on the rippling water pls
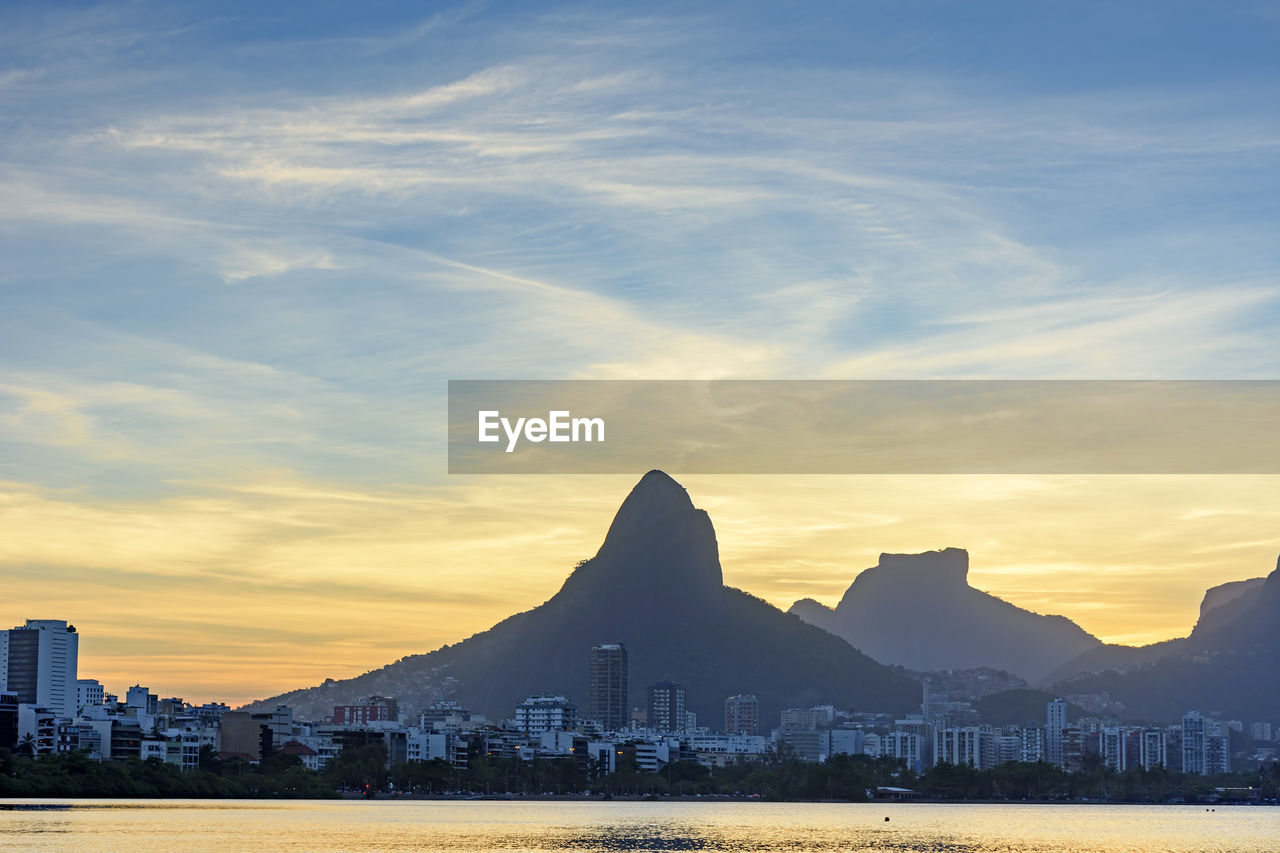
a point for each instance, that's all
(251, 826)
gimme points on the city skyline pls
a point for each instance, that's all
(245, 251)
(948, 730)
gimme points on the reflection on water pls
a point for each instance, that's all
(257, 827)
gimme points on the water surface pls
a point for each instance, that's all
(255, 826)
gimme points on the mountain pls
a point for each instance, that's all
(1221, 605)
(1227, 665)
(656, 586)
(1226, 603)
(1020, 707)
(1112, 656)
(918, 611)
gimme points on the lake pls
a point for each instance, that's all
(250, 826)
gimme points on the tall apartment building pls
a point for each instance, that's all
(1152, 749)
(1194, 742)
(1112, 747)
(38, 663)
(1055, 722)
(742, 714)
(666, 707)
(609, 702)
(1033, 745)
(1217, 749)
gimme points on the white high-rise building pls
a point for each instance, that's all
(1113, 742)
(38, 663)
(1152, 749)
(1055, 722)
(1194, 743)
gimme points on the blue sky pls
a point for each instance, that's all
(244, 244)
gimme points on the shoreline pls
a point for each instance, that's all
(36, 803)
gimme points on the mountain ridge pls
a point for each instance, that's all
(919, 611)
(1220, 606)
(656, 585)
(1226, 666)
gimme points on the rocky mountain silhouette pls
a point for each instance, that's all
(1221, 606)
(919, 611)
(1227, 665)
(656, 586)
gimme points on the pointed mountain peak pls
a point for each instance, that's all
(658, 545)
(655, 499)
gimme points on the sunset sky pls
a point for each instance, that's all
(243, 252)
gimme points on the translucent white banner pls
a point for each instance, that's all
(865, 427)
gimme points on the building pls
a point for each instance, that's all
(1152, 750)
(142, 700)
(1194, 743)
(609, 702)
(443, 714)
(1074, 744)
(1055, 722)
(742, 714)
(1008, 748)
(1033, 745)
(1217, 750)
(242, 736)
(309, 757)
(89, 693)
(807, 719)
(904, 746)
(37, 730)
(8, 720)
(806, 745)
(38, 662)
(666, 707)
(1113, 747)
(972, 745)
(375, 709)
(545, 713)
(847, 742)
(1261, 731)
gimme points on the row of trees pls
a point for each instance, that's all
(364, 770)
(75, 774)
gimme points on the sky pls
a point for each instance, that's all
(244, 249)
